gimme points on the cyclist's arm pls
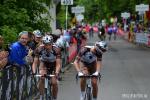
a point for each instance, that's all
(58, 65)
(58, 60)
(34, 65)
(98, 66)
(77, 65)
(35, 60)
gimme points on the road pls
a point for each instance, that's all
(125, 74)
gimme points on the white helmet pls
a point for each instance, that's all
(47, 39)
(37, 33)
(102, 45)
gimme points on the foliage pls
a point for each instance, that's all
(9, 34)
(20, 15)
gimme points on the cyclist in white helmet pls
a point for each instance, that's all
(49, 63)
(88, 62)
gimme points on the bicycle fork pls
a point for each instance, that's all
(88, 94)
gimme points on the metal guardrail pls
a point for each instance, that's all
(19, 84)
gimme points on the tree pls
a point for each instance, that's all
(20, 15)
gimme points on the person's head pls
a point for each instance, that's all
(47, 41)
(56, 34)
(23, 37)
(38, 35)
(101, 46)
(31, 36)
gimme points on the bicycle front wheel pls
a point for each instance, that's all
(88, 95)
(48, 91)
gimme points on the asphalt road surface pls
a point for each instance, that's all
(125, 74)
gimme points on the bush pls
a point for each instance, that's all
(9, 34)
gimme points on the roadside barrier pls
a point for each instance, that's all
(142, 38)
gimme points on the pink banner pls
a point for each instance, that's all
(120, 32)
(72, 52)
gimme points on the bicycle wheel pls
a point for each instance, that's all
(88, 95)
(48, 91)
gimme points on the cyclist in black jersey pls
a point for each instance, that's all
(88, 62)
(48, 57)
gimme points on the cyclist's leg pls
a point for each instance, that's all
(82, 87)
(53, 82)
(54, 87)
(95, 88)
(83, 83)
(42, 71)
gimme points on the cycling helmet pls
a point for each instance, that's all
(60, 43)
(88, 58)
(37, 33)
(102, 45)
(47, 39)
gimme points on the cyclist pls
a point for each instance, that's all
(36, 40)
(101, 33)
(88, 62)
(48, 57)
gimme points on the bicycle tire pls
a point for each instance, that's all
(88, 94)
(48, 92)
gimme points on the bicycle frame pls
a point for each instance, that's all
(47, 86)
(88, 90)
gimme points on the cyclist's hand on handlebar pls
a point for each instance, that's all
(57, 75)
(80, 73)
(96, 73)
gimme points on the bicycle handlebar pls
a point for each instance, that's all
(89, 76)
(38, 75)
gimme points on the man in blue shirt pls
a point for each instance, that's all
(18, 50)
(17, 54)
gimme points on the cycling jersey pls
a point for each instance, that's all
(88, 49)
(17, 54)
(48, 57)
(91, 67)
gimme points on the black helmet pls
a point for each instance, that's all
(102, 45)
(88, 58)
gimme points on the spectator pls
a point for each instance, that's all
(18, 50)
(3, 54)
(91, 31)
